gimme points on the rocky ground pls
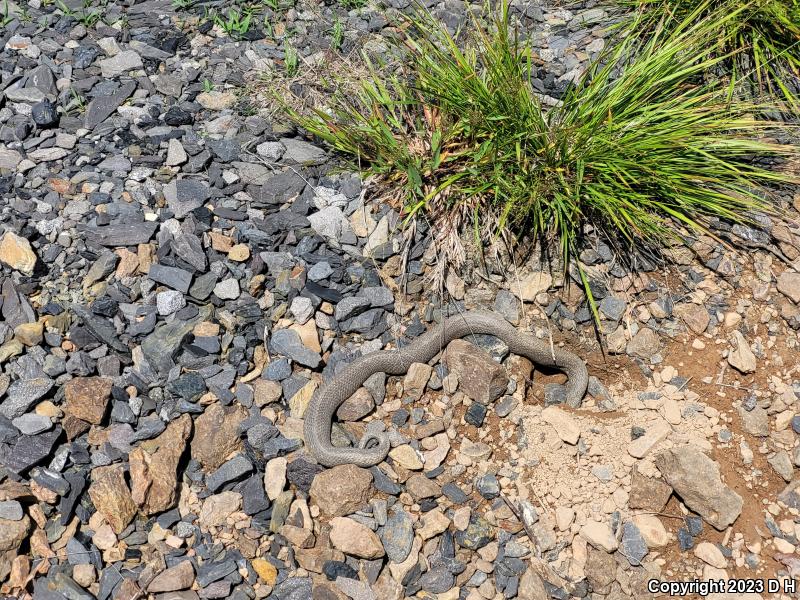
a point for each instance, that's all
(182, 270)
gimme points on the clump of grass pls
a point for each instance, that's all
(762, 37)
(351, 4)
(86, 16)
(337, 34)
(291, 60)
(236, 23)
(641, 148)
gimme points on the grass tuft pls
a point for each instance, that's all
(762, 38)
(643, 148)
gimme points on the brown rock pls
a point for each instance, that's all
(357, 406)
(312, 559)
(239, 252)
(416, 380)
(531, 586)
(74, 427)
(741, 357)
(111, 496)
(530, 286)
(17, 569)
(696, 479)
(216, 434)
(12, 533)
(84, 575)
(87, 398)
(601, 570)
(644, 344)
(789, 285)
(298, 536)
(16, 252)
(648, 493)
(479, 376)
(266, 570)
(695, 316)
(341, 490)
(420, 487)
(265, 392)
(29, 334)
(326, 590)
(216, 509)
(154, 467)
(128, 263)
(129, 590)
(355, 539)
(179, 577)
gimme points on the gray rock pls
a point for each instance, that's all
(554, 393)
(27, 95)
(475, 414)
(488, 486)
(376, 385)
(42, 78)
(203, 286)
(160, 347)
(507, 305)
(210, 571)
(780, 462)
(397, 536)
(227, 289)
(44, 113)
(29, 450)
(125, 61)
(122, 234)
(287, 342)
(185, 195)
(234, 469)
(755, 421)
(505, 405)
(632, 546)
(293, 588)
(31, 424)
(318, 272)
(612, 308)
(603, 472)
(101, 268)
(298, 151)
(644, 344)
(23, 394)
(11, 510)
(438, 580)
(478, 533)
(272, 151)
(302, 309)
(331, 223)
(101, 107)
(189, 248)
(378, 296)
(169, 302)
(115, 164)
(173, 277)
(349, 307)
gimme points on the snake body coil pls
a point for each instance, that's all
(319, 415)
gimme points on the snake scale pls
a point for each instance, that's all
(319, 415)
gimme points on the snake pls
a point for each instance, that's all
(374, 447)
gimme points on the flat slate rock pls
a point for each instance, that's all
(101, 107)
(121, 234)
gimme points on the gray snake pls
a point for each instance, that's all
(320, 411)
